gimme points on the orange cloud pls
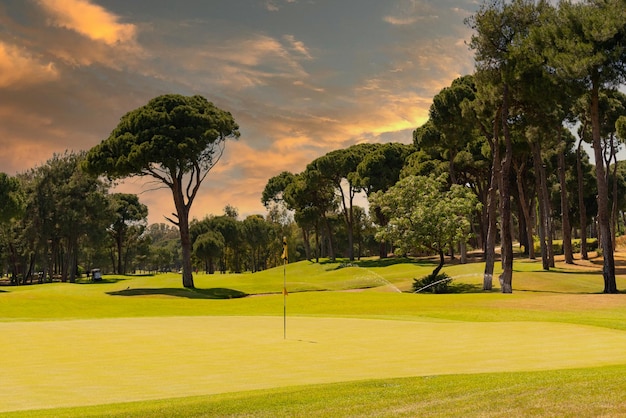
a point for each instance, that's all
(18, 68)
(90, 20)
(297, 46)
(243, 63)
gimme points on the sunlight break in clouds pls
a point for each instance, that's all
(18, 68)
(89, 20)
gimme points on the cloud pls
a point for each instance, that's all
(89, 20)
(81, 34)
(53, 37)
(274, 5)
(19, 67)
(297, 46)
(241, 62)
(408, 12)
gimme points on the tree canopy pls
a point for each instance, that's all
(424, 213)
(176, 140)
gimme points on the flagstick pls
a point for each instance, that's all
(285, 257)
(285, 299)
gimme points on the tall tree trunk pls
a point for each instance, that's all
(463, 251)
(492, 206)
(65, 261)
(581, 203)
(72, 258)
(565, 224)
(506, 278)
(348, 217)
(45, 262)
(544, 230)
(350, 222)
(331, 246)
(317, 242)
(185, 242)
(528, 223)
(614, 199)
(479, 229)
(182, 215)
(307, 245)
(608, 267)
(118, 242)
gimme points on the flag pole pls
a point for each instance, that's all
(285, 257)
(285, 299)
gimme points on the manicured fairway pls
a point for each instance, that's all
(99, 361)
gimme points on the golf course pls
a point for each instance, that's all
(349, 339)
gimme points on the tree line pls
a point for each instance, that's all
(501, 157)
(506, 131)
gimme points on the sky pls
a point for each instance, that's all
(300, 77)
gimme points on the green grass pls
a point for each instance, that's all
(590, 392)
(132, 346)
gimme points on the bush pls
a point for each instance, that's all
(592, 244)
(433, 284)
(557, 245)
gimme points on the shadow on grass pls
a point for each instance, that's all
(108, 280)
(620, 265)
(382, 262)
(385, 262)
(458, 288)
(466, 288)
(213, 293)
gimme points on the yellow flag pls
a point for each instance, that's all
(285, 255)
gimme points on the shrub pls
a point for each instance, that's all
(592, 244)
(557, 245)
(433, 284)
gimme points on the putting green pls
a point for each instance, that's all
(83, 362)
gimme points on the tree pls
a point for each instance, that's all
(12, 201)
(587, 46)
(12, 206)
(174, 139)
(452, 133)
(164, 247)
(338, 167)
(128, 212)
(446, 116)
(66, 210)
(232, 231)
(501, 30)
(259, 236)
(567, 139)
(311, 196)
(423, 214)
(208, 247)
(378, 171)
(282, 190)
